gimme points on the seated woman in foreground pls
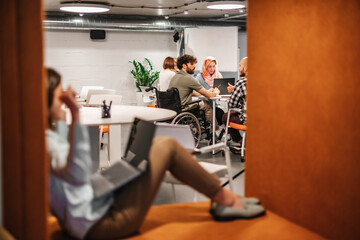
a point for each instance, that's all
(122, 212)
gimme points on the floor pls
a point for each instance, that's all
(184, 193)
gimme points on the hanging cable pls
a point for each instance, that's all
(152, 7)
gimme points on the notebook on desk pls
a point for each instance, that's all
(133, 163)
(222, 84)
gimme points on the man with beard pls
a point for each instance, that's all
(238, 100)
(188, 86)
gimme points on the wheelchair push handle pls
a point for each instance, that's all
(149, 89)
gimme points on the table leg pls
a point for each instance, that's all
(94, 144)
(118, 136)
(213, 124)
(114, 151)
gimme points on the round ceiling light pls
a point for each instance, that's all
(225, 5)
(84, 7)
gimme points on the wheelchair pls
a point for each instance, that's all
(194, 117)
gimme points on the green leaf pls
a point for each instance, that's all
(144, 75)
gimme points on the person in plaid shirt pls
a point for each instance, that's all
(238, 100)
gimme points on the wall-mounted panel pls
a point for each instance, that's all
(219, 42)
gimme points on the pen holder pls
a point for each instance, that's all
(105, 112)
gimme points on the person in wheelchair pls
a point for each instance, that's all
(188, 86)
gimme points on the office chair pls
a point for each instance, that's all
(183, 135)
(85, 89)
(92, 92)
(242, 129)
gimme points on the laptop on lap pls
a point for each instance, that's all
(133, 163)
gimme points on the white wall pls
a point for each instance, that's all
(242, 44)
(82, 61)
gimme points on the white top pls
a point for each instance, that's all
(71, 195)
(164, 79)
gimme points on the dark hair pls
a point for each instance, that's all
(169, 63)
(185, 59)
(53, 81)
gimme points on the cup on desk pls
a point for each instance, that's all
(105, 113)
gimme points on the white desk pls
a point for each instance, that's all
(120, 115)
(226, 98)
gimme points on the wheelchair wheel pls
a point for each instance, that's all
(187, 118)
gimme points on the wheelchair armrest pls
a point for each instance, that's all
(186, 104)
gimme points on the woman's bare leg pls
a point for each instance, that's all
(133, 201)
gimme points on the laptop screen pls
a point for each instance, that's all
(222, 84)
(139, 142)
(181, 133)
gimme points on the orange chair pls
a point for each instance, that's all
(242, 128)
(104, 128)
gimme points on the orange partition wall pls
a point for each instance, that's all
(23, 118)
(303, 138)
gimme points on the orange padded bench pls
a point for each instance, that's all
(192, 220)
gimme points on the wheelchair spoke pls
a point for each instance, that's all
(187, 118)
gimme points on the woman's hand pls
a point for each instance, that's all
(230, 88)
(58, 115)
(68, 97)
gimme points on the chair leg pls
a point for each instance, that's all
(108, 149)
(243, 145)
(100, 135)
(173, 191)
(228, 164)
(195, 196)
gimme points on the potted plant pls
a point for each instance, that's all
(144, 75)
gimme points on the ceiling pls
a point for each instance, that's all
(156, 10)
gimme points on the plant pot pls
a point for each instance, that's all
(139, 99)
(147, 97)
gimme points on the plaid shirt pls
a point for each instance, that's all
(238, 98)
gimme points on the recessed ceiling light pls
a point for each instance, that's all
(225, 5)
(84, 7)
(186, 12)
(166, 17)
